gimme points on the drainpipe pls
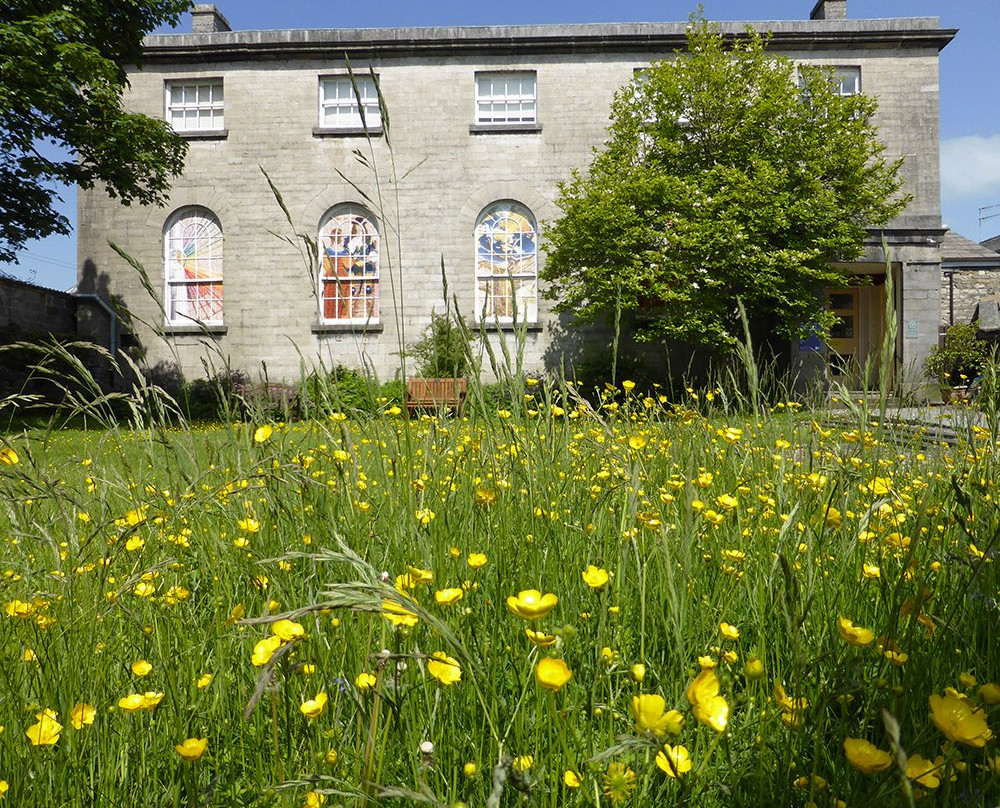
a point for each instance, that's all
(951, 297)
(111, 313)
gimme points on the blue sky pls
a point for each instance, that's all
(970, 116)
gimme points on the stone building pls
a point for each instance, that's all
(483, 123)
(970, 284)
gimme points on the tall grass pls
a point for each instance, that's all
(183, 547)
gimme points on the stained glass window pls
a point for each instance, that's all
(193, 268)
(349, 270)
(506, 264)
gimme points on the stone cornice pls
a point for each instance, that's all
(366, 44)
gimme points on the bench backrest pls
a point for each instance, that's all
(437, 391)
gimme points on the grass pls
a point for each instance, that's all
(184, 548)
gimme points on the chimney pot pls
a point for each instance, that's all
(829, 10)
(207, 19)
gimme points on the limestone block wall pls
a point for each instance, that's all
(429, 179)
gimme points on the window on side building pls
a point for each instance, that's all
(506, 265)
(506, 98)
(341, 108)
(195, 106)
(349, 267)
(193, 268)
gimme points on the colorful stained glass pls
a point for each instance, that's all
(349, 275)
(506, 265)
(193, 247)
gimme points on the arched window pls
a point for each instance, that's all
(506, 264)
(192, 249)
(349, 267)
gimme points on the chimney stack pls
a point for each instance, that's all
(829, 10)
(207, 19)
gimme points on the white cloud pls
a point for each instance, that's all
(970, 168)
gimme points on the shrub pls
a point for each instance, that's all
(444, 350)
(963, 355)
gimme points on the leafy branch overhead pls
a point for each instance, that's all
(729, 174)
(62, 117)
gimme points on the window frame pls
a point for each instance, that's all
(484, 296)
(352, 322)
(372, 124)
(505, 100)
(198, 106)
(840, 72)
(191, 214)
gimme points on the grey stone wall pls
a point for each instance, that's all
(969, 287)
(433, 182)
(31, 310)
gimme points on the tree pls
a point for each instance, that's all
(729, 173)
(62, 76)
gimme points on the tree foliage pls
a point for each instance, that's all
(728, 173)
(62, 77)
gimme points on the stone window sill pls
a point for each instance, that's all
(195, 330)
(347, 328)
(214, 134)
(505, 128)
(360, 131)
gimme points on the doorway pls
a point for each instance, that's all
(857, 336)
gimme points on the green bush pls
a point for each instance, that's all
(444, 349)
(961, 359)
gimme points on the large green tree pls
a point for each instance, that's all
(62, 76)
(729, 173)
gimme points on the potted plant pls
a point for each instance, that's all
(958, 362)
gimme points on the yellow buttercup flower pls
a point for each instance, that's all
(365, 681)
(855, 635)
(46, 732)
(476, 560)
(651, 715)
(141, 668)
(82, 715)
(595, 577)
(960, 720)
(192, 749)
(707, 705)
(264, 650)
(571, 779)
(674, 760)
(865, 756)
(444, 668)
(638, 672)
(287, 630)
(398, 615)
(540, 638)
(446, 597)
(8, 456)
(140, 701)
(314, 799)
(730, 632)
(925, 772)
(552, 674)
(204, 681)
(530, 604)
(314, 707)
(262, 433)
(990, 693)
(248, 525)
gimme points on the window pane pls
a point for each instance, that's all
(505, 98)
(197, 106)
(339, 107)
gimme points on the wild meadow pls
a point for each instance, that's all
(547, 603)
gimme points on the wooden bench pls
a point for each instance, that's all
(436, 394)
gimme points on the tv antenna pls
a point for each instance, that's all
(986, 213)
